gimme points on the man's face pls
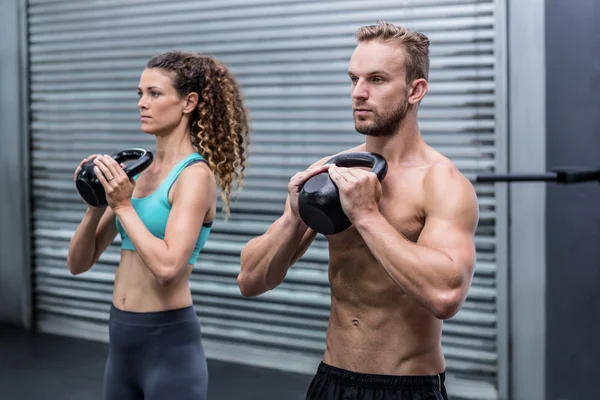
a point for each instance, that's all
(379, 90)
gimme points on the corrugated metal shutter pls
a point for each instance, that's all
(291, 58)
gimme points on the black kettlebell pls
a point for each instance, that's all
(319, 199)
(88, 185)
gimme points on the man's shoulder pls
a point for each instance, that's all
(444, 174)
(445, 185)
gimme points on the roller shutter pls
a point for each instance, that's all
(291, 59)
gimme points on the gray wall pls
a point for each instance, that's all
(14, 209)
(573, 212)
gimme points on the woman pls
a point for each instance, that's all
(193, 106)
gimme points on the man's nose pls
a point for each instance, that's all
(360, 91)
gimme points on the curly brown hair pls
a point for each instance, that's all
(220, 124)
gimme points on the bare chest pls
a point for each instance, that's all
(401, 206)
(355, 273)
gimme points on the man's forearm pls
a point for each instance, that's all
(266, 259)
(152, 250)
(426, 274)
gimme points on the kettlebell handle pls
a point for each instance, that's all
(143, 157)
(377, 163)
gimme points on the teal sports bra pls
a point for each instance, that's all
(154, 209)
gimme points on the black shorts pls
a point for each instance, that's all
(331, 383)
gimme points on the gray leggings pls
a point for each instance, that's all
(155, 355)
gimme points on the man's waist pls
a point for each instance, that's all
(384, 354)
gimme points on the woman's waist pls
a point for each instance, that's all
(137, 289)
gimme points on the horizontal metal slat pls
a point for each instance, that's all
(126, 102)
(265, 156)
(297, 125)
(474, 40)
(108, 59)
(336, 81)
(250, 75)
(472, 92)
(446, 45)
(115, 69)
(227, 51)
(46, 7)
(261, 142)
(284, 15)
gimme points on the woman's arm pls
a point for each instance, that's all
(94, 234)
(194, 193)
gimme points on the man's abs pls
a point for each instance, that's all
(374, 327)
(136, 289)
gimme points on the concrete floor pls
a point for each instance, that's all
(47, 367)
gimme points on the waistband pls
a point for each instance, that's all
(153, 318)
(382, 381)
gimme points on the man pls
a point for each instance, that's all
(407, 261)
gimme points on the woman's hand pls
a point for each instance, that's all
(117, 185)
(88, 158)
(85, 160)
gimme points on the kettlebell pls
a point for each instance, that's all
(88, 185)
(319, 199)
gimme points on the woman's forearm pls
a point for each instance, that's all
(82, 248)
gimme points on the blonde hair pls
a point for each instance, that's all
(415, 44)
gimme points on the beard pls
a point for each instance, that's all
(381, 124)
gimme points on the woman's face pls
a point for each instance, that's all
(161, 108)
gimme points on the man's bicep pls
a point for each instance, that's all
(451, 237)
(451, 219)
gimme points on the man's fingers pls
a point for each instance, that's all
(337, 175)
(302, 177)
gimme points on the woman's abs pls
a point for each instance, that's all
(136, 288)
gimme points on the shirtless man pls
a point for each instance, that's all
(407, 262)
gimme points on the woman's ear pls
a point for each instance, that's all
(191, 102)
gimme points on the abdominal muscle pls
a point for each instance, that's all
(137, 290)
(374, 327)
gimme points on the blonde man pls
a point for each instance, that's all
(407, 261)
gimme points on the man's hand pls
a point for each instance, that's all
(296, 183)
(360, 191)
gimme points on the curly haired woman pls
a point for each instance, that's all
(193, 106)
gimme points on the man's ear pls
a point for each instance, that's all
(191, 102)
(418, 90)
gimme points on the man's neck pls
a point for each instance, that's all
(403, 148)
